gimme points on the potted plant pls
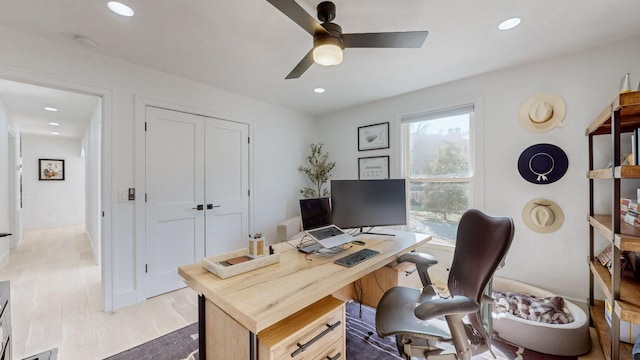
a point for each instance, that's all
(318, 171)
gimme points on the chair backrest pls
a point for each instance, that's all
(482, 243)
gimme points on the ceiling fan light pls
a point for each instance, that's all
(327, 51)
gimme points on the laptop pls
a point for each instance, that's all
(316, 223)
(315, 213)
(329, 236)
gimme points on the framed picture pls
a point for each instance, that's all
(374, 167)
(51, 169)
(373, 137)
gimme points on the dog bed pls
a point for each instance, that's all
(571, 338)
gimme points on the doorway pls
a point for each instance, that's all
(78, 123)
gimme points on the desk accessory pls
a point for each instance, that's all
(257, 245)
(220, 265)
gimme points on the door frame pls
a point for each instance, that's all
(106, 95)
(14, 190)
(140, 106)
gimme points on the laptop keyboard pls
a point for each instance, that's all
(356, 258)
(322, 234)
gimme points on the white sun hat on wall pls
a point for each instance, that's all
(541, 112)
(542, 216)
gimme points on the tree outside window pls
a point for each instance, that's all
(439, 170)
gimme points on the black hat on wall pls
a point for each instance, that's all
(542, 164)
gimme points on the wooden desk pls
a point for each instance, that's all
(242, 306)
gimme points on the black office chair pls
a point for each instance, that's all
(427, 323)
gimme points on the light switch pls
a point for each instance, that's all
(123, 195)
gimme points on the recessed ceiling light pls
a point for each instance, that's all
(55, 133)
(120, 8)
(318, 90)
(509, 23)
(54, 124)
(50, 108)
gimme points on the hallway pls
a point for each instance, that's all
(56, 301)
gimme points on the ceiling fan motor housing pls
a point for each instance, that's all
(334, 35)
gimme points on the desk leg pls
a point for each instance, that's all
(253, 346)
(202, 336)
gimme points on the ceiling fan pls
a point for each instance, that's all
(329, 41)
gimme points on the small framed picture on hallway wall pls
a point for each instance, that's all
(51, 169)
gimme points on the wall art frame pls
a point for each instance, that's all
(373, 167)
(50, 169)
(372, 137)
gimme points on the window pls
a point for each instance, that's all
(438, 165)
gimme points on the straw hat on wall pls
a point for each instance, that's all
(541, 112)
(542, 216)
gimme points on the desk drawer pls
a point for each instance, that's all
(334, 352)
(307, 334)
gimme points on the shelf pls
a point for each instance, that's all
(621, 172)
(602, 329)
(627, 240)
(628, 307)
(622, 115)
(629, 106)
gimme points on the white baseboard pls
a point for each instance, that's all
(6, 255)
(53, 224)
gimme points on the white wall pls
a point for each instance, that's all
(587, 81)
(91, 148)
(280, 138)
(52, 203)
(4, 185)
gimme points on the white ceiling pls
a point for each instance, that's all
(248, 46)
(25, 104)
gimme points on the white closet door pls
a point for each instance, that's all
(227, 186)
(175, 188)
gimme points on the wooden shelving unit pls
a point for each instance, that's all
(597, 316)
(621, 290)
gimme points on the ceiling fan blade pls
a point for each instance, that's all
(302, 66)
(409, 39)
(296, 13)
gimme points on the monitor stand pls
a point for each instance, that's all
(310, 249)
(371, 233)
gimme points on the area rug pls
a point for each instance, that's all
(178, 345)
(362, 343)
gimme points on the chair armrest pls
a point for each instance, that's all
(423, 262)
(457, 305)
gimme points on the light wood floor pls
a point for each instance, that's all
(56, 301)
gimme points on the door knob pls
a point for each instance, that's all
(199, 207)
(211, 206)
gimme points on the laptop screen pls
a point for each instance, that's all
(315, 213)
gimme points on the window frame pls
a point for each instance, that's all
(476, 146)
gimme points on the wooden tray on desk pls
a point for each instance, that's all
(214, 266)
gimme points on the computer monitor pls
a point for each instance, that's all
(368, 203)
(315, 213)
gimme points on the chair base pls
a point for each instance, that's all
(424, 348)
